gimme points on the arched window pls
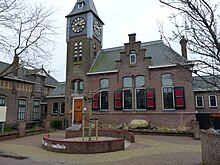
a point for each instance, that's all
(78, 86)
(132, 57)
(80, 50)
(167, 79)
(75, 51)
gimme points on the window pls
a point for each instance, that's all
(55, 108)
(168, 98)
(45, 109)
(199, 102)
(127, 93)
(100, 100)
(62, 108)
(78, 86)
(213, 101)
(167, 80)
(75, 51)
(104, 85)
(140, 93)
(80, 5)
(78, 51)
(173, 97)
(2, 101)
(36, 110)
(94, 50)
(168, 102)
(104, 100)
(132, 57)
(21, 109)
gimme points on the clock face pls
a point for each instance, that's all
(78, 24)
(97, 28)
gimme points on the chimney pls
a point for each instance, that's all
(132, 38)
(183, 43)
(15, 65)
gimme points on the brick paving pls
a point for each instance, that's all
(147, 150)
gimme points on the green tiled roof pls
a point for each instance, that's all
(59, 91)
(160, 53)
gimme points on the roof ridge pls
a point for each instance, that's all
(142, 44)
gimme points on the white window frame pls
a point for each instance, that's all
(37, 100)
(202, 102)
(5, 98)
(19, 110)
(80, 5)
(215, 101)
(136, 99)
(135, 58)
(100, 100)
(61, 107)
(173, 109)
(57, 107)
(123, 99)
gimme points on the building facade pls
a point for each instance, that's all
(134, 81)
(23, 93)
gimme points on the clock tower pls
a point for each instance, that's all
(84, 35)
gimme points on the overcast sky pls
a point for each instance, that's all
(121, 17)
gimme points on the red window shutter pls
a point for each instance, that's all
(95, 102)
(179, 98)
(118, 100)
(150, 99)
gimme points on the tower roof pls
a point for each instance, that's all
(83, 6)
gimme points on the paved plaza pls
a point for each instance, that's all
(147, 150)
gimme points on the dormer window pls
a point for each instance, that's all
(132, 57)
(80, 5)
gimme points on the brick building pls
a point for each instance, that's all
(207, 99)
(23, 92)
(137, 80)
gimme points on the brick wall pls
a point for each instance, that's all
(170, 119)
(210, 143)
(82, 147)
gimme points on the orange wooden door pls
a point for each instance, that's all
(78, 110)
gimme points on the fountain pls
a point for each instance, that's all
(98, 140)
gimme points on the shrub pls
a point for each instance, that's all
(56, 124)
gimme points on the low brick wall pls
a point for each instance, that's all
(210, 143)
(35, 132)
(9, 135)
(88, 147)
(109, 133)
(82, 147)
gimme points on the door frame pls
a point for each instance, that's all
(75, 98)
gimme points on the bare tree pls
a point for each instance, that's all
(26, 32)
(198, 21)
